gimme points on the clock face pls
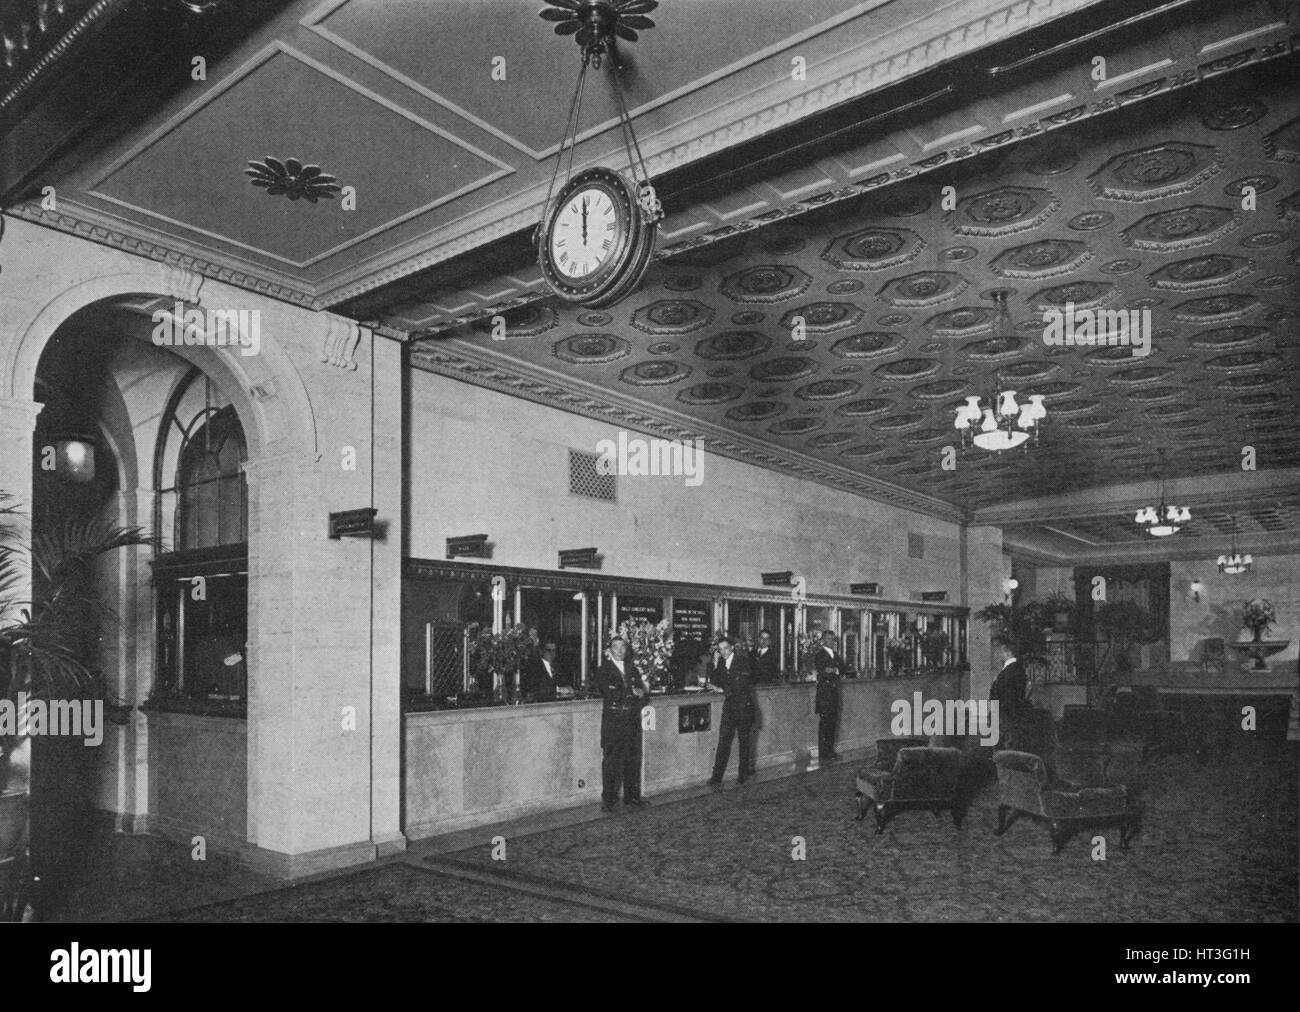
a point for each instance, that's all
(595, 243)
(585, 233)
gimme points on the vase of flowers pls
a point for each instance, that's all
(808, 643)
(1258, 616)
(494, 658)
(651, 647)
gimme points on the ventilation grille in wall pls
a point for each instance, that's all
(915, 546)
(586, 480)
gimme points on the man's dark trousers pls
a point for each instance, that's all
(620, 770)
(733, 721)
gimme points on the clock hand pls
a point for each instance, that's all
(584, 221)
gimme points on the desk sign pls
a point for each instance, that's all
(579, 558)
(864, 588)
(691, 719)
(472, 546)
(353, 523)
(934, 595)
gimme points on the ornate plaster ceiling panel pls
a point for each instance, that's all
(1130, 213)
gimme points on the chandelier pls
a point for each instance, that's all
(1235, 563)
(1002, 423)
(1163, 520)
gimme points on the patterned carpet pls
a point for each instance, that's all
(1219, 843)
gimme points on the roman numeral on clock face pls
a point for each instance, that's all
(607, 244)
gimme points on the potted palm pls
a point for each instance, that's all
(1022, 627)
(1060, 607)
(44, 656)
(1124, 623)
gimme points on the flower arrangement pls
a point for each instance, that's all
(898, 648)
(495, 657)
(650, 645)
(1258, 616)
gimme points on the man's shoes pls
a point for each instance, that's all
(715, 781)
(607, 806)
(637, 802)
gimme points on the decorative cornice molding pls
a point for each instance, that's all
(85, 224)
(180, 283)
(460, 361)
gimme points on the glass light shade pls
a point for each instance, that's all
(1162, 530)
(1036, 405)
(74, 459)
(999, 439)
(1027, 418)
(1008, 405)
(990, 423)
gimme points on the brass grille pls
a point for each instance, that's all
(586, 480)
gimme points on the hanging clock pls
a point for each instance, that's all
(595, 243)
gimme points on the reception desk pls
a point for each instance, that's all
(467, 768)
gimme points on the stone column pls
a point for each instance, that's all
(17, 423)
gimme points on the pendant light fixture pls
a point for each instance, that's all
(1162, 520)
(1000, 422)
(1236, 563)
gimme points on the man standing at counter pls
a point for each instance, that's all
(623, 690)
(829, 671)
(765, 666)
(730, 672)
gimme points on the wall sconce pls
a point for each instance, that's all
(1009, 587)
(74, 458)
(1196, 589)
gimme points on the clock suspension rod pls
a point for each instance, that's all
(570, 134)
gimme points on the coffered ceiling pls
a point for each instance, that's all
(1140, 209)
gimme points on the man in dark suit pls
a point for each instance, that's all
(829, 671)
(624, 692)
(730, 672)
(1011, 687)
(538, 676)
(765, 665)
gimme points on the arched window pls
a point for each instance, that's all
(202, 582)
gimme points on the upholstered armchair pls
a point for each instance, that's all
(887, 750)
(922, 777)
(1024, 786)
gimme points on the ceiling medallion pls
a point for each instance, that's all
(672, 316)
(1003, 211)
(597, 238)
(591, 349)
(1260, 184)
(874, 249)
(291, 178)
(846, 370)
(1181, 228)
(786, 368)
(1235, 115)
(1156, 172)
(1235, 564)
(1162, 520)
(803, 345)
(1041, 259)
(822, 317)
(748, 318)
(653, 374)
(1121, 266)
(927, 288)
(733, 344)
(828, 390)
(1201, 272)
(845, 287)
(959, 254)
(766, 283)
(595, 319)
(1261, 240)
(710, 393)
(662, 348)
(756, 411)
(1090, 221)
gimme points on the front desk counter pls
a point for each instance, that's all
(466, 768)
